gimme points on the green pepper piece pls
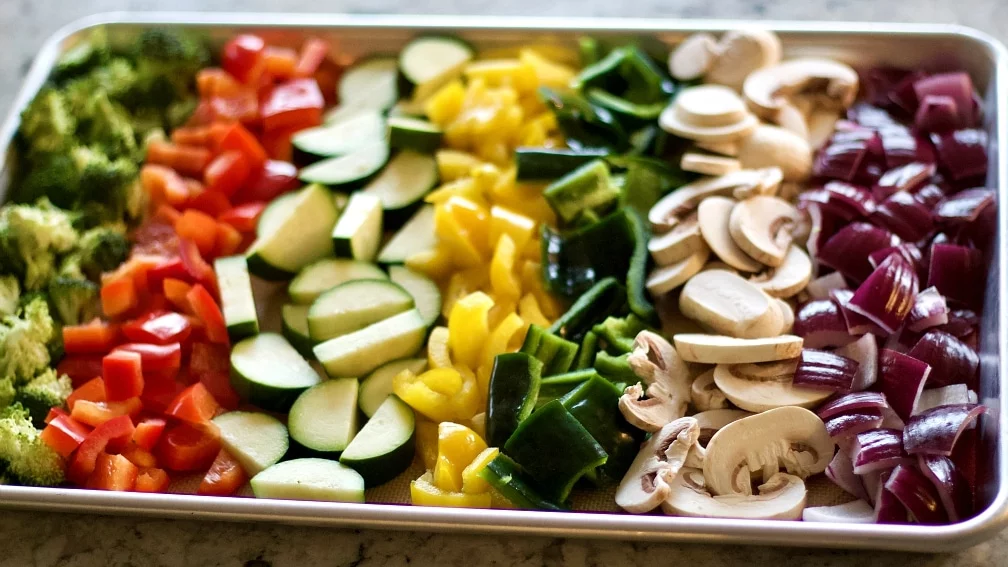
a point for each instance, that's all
(584, 219)
(538, 164)
(595, 403)
(555, 450)
(619, 334)
(514, 388)
(558, 386)
(586, 354)
(616, 369)
(636, 277)
(591, 51)
(605, 73)
(556, 353)
(629, 113)
(603, 299)
(507, 478)
(646, 82)
(587, 188)
(643, 187)
(584, 124)
(575, 260)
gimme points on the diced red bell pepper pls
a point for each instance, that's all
(156, 238)
(148, 431)
(80, 368)
(295, 104)
(119, 296)
(225, 476)
(219, 386)
(235, 137)
(191, 135)
(176, 290)
(328, 77)
(186, 447)
(242, 57)
(187, 160)
(122, 371)
(229, 240)
(173, 268)
(97, 413)
(209, 312)
(155, 358)
(199, 228)
(159, 393)
(64, 434)
(112, 434)
(227, 172)
(113, 472)
(194, 404)
(238, 108)
(243, 218)
(197, 267)
(136, 269)
(152, 480)
(55, 412)
(159, 327)
(313, 53)
(208, 357)
(214, 81)
(278, 143)
(270, 181)
(95, 337)
(93, 391)
(280, 62)
(210, 202)
(163, 184)
(139, 456)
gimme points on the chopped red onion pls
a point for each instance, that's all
(854, 512)
(904, 215)
(869, 116)
(963, 207)
(902, 379)
(854, 401)
(937, 114)
(865, 352)
(917, 494)
(887, 295)
(901, 146)
(929, 195)
(878, 449)
(955, 86)
(888, 508)
(957, 272)
(951, 360)
(910, 252)
(904, 95)
(953, 488)
(829, 204)
(962, 153)
(821, 325)
(961, 323)
(841, 472)
(857, 324)
(890, 420)
(821, 369)
(820, 287)
(907, 177)
(847, 424)
(842, 156)
(936, 431)
(847, 251)
(945, 396)
(929, 310)
(855, 199)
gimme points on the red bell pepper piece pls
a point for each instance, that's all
(225, 476)
(313, 53)
(199, 228)
(197, 267)
(140, 457)
(227, 173)
(176, 290)
(235, 137)
(148, 431)
(96, 337)
(122, 371)
(270, 181)
(195, 404)
(242, 57)
(119, 296)
(112, 435)
(172, 268)
(152, 480)
(243, 218)
(155, 358)
(187, 160)
(209, 312)
(97, 413)
(93, 391)
(159, 327)
(55, 412)
(296, 104)
(186, 447)
(229, 240)
(209, 201)
(64, 434)
(280, 62)
(113, 472)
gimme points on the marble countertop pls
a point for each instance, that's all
(43, 539)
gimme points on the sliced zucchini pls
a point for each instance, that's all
(370, 83)
(301, 236)
(409, 133)
(360, 352)
(384, 447)
(267, 372)
(309, 479)
(341, 137)
(275, 213)
(409, 108)
(378, 385)
(358, 232)
(323, 419)
(351, 170)
(237, 304)
(295, 328)
(257, 440)
(428, 62)
(407, 179)
(417, 235)
(426, 295)
(354, 305)
(327, 274)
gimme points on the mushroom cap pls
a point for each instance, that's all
(741, 53)
(705, 394)
(728, 304)
(769, 89)
(789, 437)
(666, 278)
(692, 57)
(707, 106)
(787, 315)
(758, 394)
(667, 377)
(761, 227)
(682, 241)
(787, 279)
(770, 146)
(647, 482)
(672, 122)
(719, 349)
(714, 215)
(781, 497)
(679, 204)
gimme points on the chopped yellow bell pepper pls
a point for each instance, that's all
(471, 481)
(468, 328)
(485, 177)
(473, 218)
(519, 227)
(519, 75)
(423, 492)
(478, 424)
(524, 198)
(503, 279)
(456, 238)
(437, 348)
(528, 309)
(426, 442)
(435, 263)
(454, 164)
(500, 340)
(462, 284)
(547, 72)
(464, 187)
(445, 381)
(421, 397)
(457, 447)
(446, 103)
(469, 400)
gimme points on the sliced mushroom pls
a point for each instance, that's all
(727, 304)
(708, 164)
(719, 349)
(711, 421)
(648, 481)
(741, 53)
(768, 184)
(714, 215)
(708, 113)
(718, 265)
(831, 84)
(679, 204)
(682, 241)
(821, 124)
(782, 497)
(769, 146)
(761, 226)
(666, 278)
(750, 391)
(705, 394)
(729, 149)
(787, 315)
(790, 437)
(667, 378)
(693, 57)
(787, 279)
(673, 321)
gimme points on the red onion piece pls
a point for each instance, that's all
(917, 494)
(888, 508)
(865, 352)
(869, 115)
(878, 449)
(962, 153)
(901, 146)
(904, 216)
(821, 369)
(841, 472)
(887, 295)
(958, 273)
(935, 431)
(937, 114)
(821, 325)
(829, 204)
(951, 360)
(819, 288)
(855, 199)
(853, 512)
(910, 252)
(857, 324)
(963, 207)
(961, 323)
(902, 378)
(890, 420)
(907, 177)
(855, 401)
(952, 394)
(847, 251)
(847, 424)
(904, 95)
(953, 488)
(955, 86)
(842, 156)
(929, 195)
(929, 310)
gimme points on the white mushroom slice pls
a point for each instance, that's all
(671, 122)
(718, 265)
(705, 395)
(711, 421)
(667, 278)
(729, 149)
(770, 89)
(769, 146)
(673, 321)
(667, 378)
(707, 106)
(760, 394)
(680, 203)
(691, 58)
(648, 481)
(782, 497)
(727, 304)
(787, 279)
(682, 241)
(719, 349)
(821, 124)
(792, 119)
(714, 214)
(768, 182)
(708, 164)
(787, 316)
(761, 226)
(741, 53)
(854, 512)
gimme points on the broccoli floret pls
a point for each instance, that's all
(27, 459)
(179, 111)
(108, 126)
(84, 56)
(49, 175)
(102, 249)
(171, 50)
(106, 181)
(48, 125)
(45, 391)
(147, 120)
(75, 300)
(7, 392)
(10, 292)
(117, 78)
(31, 237)
(24, 341)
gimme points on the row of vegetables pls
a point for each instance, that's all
(529, 274)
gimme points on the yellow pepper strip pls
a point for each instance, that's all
(503, 306)
(520, 228)
(485, 177)
(454, 164)
(524, 198)
(498, 501)
(499, 339)
(471, 481)
(531, 275)
(423, 492)
(421, 397)
(445, 381)
(462, 284)
(465, 187)
(469, 400)
(503, 279)
(478, 424)
(445, 104)
(528, 309)
(427, 442)
(473, 219)
(547, 72)
(456, 238)
(435, 263)
(519, 75)
(468, 328)
(457, 447)
(437, 348)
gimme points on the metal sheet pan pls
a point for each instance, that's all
(930, 46)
